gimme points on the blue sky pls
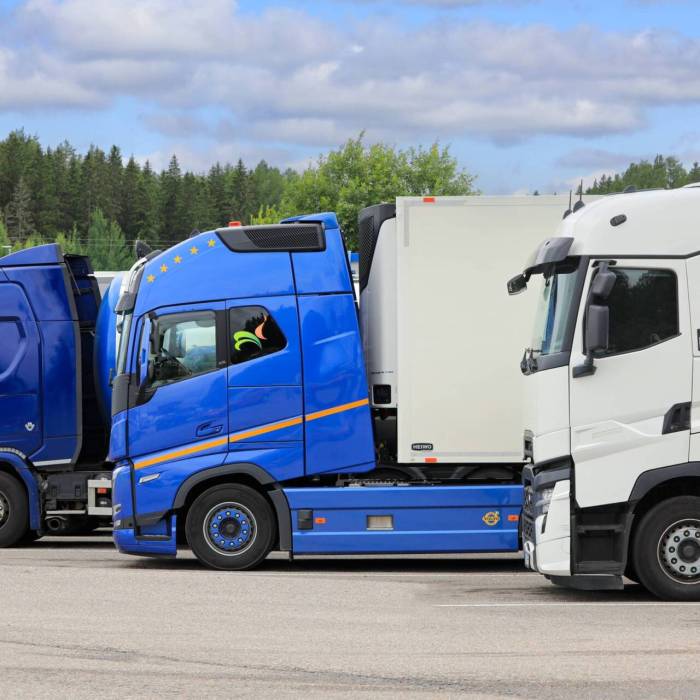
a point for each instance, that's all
(530, 94)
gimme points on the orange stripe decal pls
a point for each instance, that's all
(197, 447)
(336, 409)
(244, 435)
(264, 429)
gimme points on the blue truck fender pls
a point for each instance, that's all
(20, 468)
(276, 494)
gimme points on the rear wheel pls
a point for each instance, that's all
(230, 527)
(14, 511)
(667, 549)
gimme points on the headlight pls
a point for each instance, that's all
(543, 499)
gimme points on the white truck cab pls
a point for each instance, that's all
(612, 487)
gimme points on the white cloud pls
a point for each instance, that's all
(287, 78)
(39, 85)
(596, 158)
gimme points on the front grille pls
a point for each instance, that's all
(529, 500)
(528, 528)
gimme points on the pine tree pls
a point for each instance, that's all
(240, 199)
(113, 191)
(71, 243)
(149, 206)
(216, 181)
(106, 245)
(132, 205)
(18, 213)
(173, 227)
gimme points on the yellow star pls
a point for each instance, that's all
(177, 259)
(211, 243)
(194, 250)
(150, 278)
(163, 268)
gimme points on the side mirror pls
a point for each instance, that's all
(597, 328)
(597, 332)
(517, 284)
(603, 283)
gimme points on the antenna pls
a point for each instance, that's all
(568, 211)
(580, 202)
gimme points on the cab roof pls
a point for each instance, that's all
(652, 223)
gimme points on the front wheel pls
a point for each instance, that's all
(666, 549)
(14, 511)
(230, 527)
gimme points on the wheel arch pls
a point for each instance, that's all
(247, 474)
(657, 485)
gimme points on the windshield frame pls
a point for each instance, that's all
(561, 358)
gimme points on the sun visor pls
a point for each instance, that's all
(550, 252)
(553, 250)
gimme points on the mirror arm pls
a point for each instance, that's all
(586, 369)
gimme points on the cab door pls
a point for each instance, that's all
(20, 372)
(632, 413)
(180, 410)
(265, 398)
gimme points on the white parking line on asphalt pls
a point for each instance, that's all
(617, 604)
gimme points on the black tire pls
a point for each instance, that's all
(14, 519)
(666, 549)
(230, 527)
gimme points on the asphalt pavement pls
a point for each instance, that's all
(79, 620)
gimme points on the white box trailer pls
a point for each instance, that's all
(442, 338)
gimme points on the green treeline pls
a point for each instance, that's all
(663, 173)
(99, 203)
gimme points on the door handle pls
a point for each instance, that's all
(207, 429)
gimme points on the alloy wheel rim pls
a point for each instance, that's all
(230, 529)
(4, 509)
(679, 551)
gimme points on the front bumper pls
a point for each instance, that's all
(159, 539)
(547, 535)
(128, 542)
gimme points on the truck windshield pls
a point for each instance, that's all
(557, 301)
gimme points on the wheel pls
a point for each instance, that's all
(230, 527)
(14, 511)
(666, 550)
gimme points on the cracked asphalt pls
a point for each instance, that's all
(79, 620)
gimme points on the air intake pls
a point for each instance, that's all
(306, 237)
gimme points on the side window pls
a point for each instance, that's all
(643, 308)
(254, 333)
(182, 345)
